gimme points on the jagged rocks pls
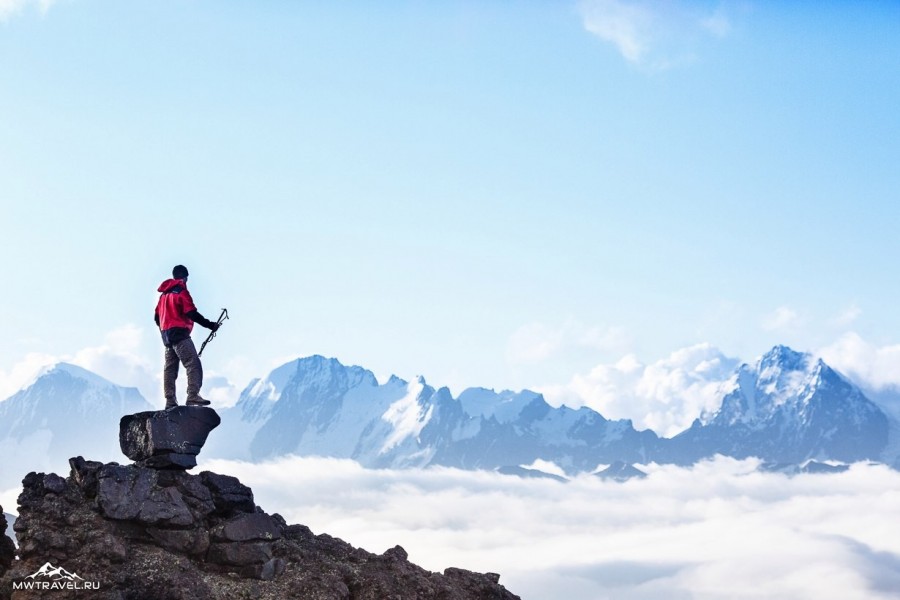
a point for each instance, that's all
(143, 533)
(167, 439)
(7, 547)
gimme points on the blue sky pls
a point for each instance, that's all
(481, 193)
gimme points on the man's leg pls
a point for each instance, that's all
(170, 374)
(187, 353)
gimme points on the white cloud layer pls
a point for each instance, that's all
(654, 33)
(719, 530)
(665, 396)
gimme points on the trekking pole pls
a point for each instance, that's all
(212, 334)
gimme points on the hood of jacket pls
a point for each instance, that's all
(170, 284)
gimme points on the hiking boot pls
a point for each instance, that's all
(198, 401)
(170, 404)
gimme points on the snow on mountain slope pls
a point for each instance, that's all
(788, 407)
(66, 411)
(325, 408)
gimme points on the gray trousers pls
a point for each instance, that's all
(185, 353)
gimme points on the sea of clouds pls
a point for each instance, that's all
(717, 530)
(720, 529)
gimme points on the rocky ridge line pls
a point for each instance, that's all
(151, 534)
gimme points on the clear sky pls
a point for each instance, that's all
(484, 193)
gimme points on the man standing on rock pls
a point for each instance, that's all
(175, 315)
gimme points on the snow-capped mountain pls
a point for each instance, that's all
(318, 406)
(788, 408)
(66, 411)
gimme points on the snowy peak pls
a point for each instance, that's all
(321, 372)
(65, 411)
(783, 358)
(64, 374)
(64, 384)
(789, 407)
(312, 375)
(781, 377)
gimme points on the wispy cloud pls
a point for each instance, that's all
(654, 33)
(781, 319)
(718, 530)
(848, 316)
(9, 8)
(536, 342)
(665, 396)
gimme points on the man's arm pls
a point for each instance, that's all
(196, 317)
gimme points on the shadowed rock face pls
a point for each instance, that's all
(144, 533)
(167, 439)
(7, 548)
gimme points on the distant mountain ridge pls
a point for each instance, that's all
(315, 405)
(787, 408)
(65, 411)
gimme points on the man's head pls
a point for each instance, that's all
(180, 272)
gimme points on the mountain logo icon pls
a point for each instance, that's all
(51, 573)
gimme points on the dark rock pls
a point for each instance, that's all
(167, 439)
(479, 580)
(266, 571)
(170, 460)
(185, 541)
(84, 474)
(54, 483)
(239, 554)
(136, 494)
(229, 495)
(248, 527)
(169, 535)
(7, 547)
(395, 553)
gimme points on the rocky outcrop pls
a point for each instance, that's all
(7, 548)
(134, 532)
(167, 439)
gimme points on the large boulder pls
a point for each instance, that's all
(167, 439)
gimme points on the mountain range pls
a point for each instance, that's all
(787, 408)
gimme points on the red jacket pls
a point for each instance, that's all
(174, 304)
